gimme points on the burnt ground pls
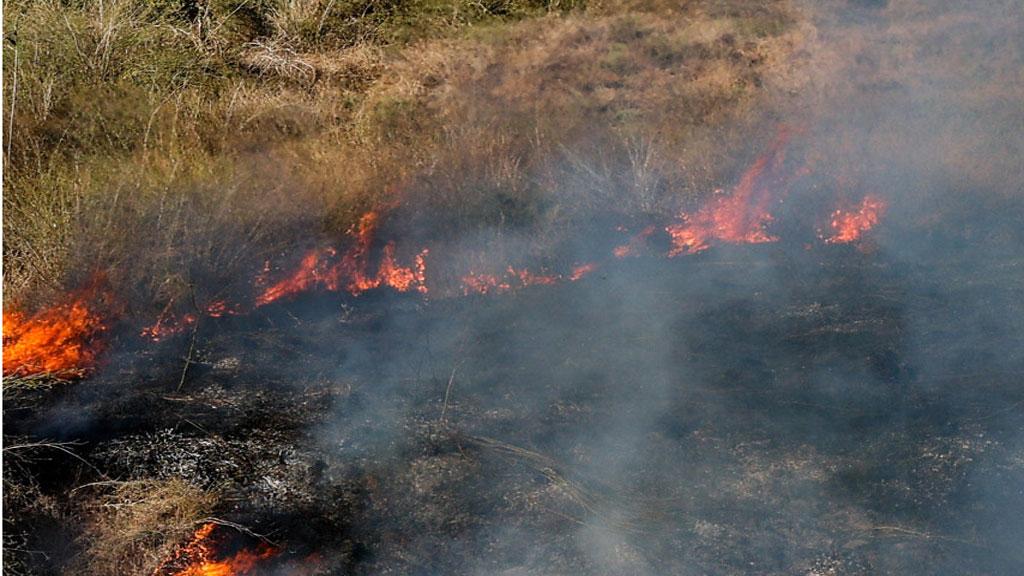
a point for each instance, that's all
(769, 409)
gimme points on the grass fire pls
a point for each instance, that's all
(314, 287)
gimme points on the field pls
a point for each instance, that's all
(301, 287)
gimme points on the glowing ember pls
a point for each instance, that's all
(740, 218)
(849, 226)
(512, 279)
(635, 244)
(167, 325)
(202, 558)
(219, 308)
(581, 271)
(474, 283)
(59, 340)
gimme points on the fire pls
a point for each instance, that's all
(312, 271)
(321, 268)
(219, 308)
(201, 556)
(59, 340)
(635, 244)
(740, 218)
(58, 337)
(581, 271)
(512, 279)
(849, 226)
(167, 324)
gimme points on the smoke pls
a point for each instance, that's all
(772, 408)
(767, 409)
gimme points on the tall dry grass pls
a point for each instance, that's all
(174, 144)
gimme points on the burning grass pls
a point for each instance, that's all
(51, 342)
(133, 527)
(757, 407)
(61, 342)
(198, 157)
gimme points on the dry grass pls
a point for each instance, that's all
(171, 149)
(26, 509)
(136, 525)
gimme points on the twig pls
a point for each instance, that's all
(192, 342)
(921, 534)
(236, 526)
(448, 390)
(56, 446)
(101, 483)
(14, 99)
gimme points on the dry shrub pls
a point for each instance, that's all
(136, 525)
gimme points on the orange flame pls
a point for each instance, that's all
(200, 553)
(312, 271)
(740, 218)
(635, 244)
(849, 226)
(59, 340)
(512, 279)
(581, 270)
(167, 324)
(350, 272)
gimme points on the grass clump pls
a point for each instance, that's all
(137, 525)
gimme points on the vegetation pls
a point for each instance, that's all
(135, 526)
(168, 143)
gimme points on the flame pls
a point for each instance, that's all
(849, 226)
(312, 271)
(635, 244)
(168, 324)
(200, 553)
(61, 339)
(512, 279)
(581, 270)
(318, 268)
(740, 218)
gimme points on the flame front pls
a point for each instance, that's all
(512, 279)
(849, 226)
(739, 218)
(58, 340)
(201, 557)
(321, 268)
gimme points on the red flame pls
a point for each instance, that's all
(202, 558)
(849, 226)
(167, 324)
(512, 279)
(581, 271)
(635, 244)
(312, 271)
(59, 340)
(351, 272)
(740, 218)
